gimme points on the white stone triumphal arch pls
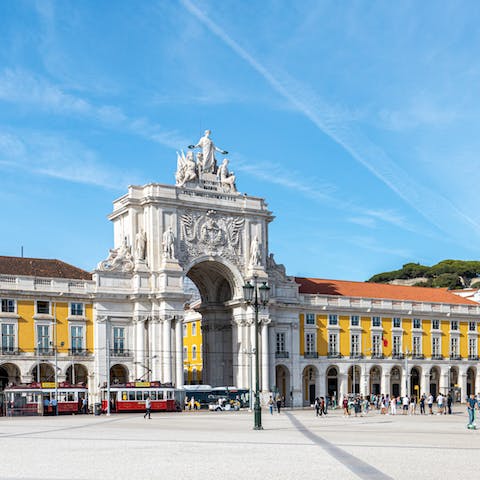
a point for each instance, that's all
(204, 229)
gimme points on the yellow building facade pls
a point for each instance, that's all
(192, 349)
(46, 322)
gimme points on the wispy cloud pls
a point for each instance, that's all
(58, 157)
(21, 87)
(336, 123)
(370, 243)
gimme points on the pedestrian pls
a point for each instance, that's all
(279, 404)
(430, 403)
(440, 404)
(413, 405)
(323, 405)
(317, 406)
(422, 404)
(393, 406)
(148, 407)
(270, 405)
(346, 413)
(472, 404)
(405, 403)
(449, 403)
(84, 405)
(54, 404)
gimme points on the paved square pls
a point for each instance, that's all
(221, 445)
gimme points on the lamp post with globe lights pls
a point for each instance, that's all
(256, 296)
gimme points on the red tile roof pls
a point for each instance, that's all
(41, 267)
(379, 290)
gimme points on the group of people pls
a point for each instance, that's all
(390, 405)
(276, 404)
(320, 406)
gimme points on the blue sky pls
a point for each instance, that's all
(357, 121)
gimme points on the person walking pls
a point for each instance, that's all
(279, 404)
(323, 405)
(413, 405)
(317, 406)
(430, 403)
(270, 405)
(440, 404)
(472, 404)
(393, 406)
(85, 405)
(148, 407)
(449, 403)
(346, 413)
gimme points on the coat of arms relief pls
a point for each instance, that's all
(211, 234)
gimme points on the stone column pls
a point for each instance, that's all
(365, 385)
(463, 385)
(156, 348)
(425, 382)
(179, 352)
(139, 354)
(385, 383)
(265, 358)
(444, 380)
(342, 385)
(272, 346)
(167, 351)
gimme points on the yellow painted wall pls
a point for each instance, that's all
(427, 340)
(445, 328)
(407, 334)
(344, 334)
(366, 323)
(463, 349)
(26, 333)
(387, 323)
(322, 335)
(189, 340)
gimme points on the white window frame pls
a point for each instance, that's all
(472, 346)
(310, 319)
(49, 327)
(436, 346)
(333, 319)
(14, 335)
(374, 320)
(351, 320)
(454, 346)
(377, 344)
(454, 323)
(435, 324)
(71, 326)
(70, 307)
(124, 337)
(355, 343)
(310, 342)
(395, 350)
(399, 321)
(335, 351)
(415, 351)
(419, 320)
(43, 313)
(280, 342)
(5, 299)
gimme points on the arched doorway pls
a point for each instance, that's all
(471, 374)
(309, 385)
(282, 382)
(217, 285)
(77, 373)
(118, 374)
(46, 373)
(415, 374)
(9, 374)
(332, 383)
(395, 381)
(434, 381)
(354, 373)
(375, 380)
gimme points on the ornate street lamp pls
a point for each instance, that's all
(256, 296)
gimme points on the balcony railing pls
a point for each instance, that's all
(9, 351)
(356, 355)
(45, 352)
(114, 352)
(418, 356)
(282, 355)
(334, 355)
(310, 355)
(473, 357)
(398, 355)
(455, 356)
(378, 355)
(437, 356)
(78, 352)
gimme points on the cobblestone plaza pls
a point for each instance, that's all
(294, 444)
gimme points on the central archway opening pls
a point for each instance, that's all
(216, 285)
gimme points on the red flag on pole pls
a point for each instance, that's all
(385, 341)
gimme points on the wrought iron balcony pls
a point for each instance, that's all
(78, 352)
(45, 352)
(310, 355)
(282, 354)
(398, 355)
(455, 357)
(356, 355)
(378, 355)
(418, 356)
(117, 352)
(437, 356)
(334, 355)
(9, 351)
(473, 357)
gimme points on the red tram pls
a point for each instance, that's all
(38, 398)
(131, 397)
